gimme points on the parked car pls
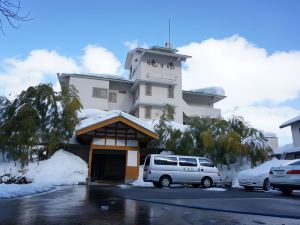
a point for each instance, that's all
(164, 170)
(287, 177)
(258, 177)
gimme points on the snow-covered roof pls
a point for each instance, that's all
(110, 77)
(291, 122)
(289, 148)
(219, 91)
(93, 116)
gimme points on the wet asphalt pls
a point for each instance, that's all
(104, 204)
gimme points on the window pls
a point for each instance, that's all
(171, 91)
(205, 162)
(165, 160)
(188, 162)
(148, 112)
(112, 97)
(148, 89)
(99, 92)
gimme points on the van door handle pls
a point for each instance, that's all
(201, 169)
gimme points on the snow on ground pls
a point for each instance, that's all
(20, 190)
(214, 189)
(63, 168)
(139, 182)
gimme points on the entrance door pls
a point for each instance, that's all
(109, 165)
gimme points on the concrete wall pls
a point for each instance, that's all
(124, 101)
(296, 134)
(85, 92)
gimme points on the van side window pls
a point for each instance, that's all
(163, 160)
(147, 162)
(187, 162)
(205, 162)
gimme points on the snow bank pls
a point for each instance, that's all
(20, 190)
(139, 182)
(63, 168)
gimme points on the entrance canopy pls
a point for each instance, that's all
(109, 132)
(114, 124)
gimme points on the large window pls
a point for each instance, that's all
(99, 92)
(171, 91)
(165, 160)
(148, 112)
(112, 97)
(205, 162)
(148, 89)
(188, 162)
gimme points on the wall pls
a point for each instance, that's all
(85, 91)
(296, 134)
(124, 101)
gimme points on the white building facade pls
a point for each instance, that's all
(155, 79)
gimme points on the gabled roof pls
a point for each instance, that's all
(290, 122)
(106, 118)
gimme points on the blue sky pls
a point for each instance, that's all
(68, 27)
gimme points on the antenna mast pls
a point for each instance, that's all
(169, 33)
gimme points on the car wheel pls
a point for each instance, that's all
(248, 188)
(267, 185)
(156, 184)
(165, 181)
(195, 185)
(206, 182)
(286, 190)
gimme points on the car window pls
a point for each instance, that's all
(188, 162)
(205, 162)
(147, 162)
(165, 160)
(295, 164)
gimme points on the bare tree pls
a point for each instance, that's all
(10, 12)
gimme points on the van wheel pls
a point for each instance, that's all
(195, 185)
(206, 182)
(286, 190)
(267, 185)
(156, 184)
(165, 181)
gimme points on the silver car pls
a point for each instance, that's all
(164, 170)
(286, 178)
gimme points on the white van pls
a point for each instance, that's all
(164, 170)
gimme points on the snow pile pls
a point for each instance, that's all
(264, 168)
(63, 168)
(139, 182)
(210, 91)
(97, 116)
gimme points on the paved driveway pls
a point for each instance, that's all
(115, 205)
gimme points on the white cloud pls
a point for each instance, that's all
(97, 59)
(250, 77)
(39, 66)
(42, 65)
